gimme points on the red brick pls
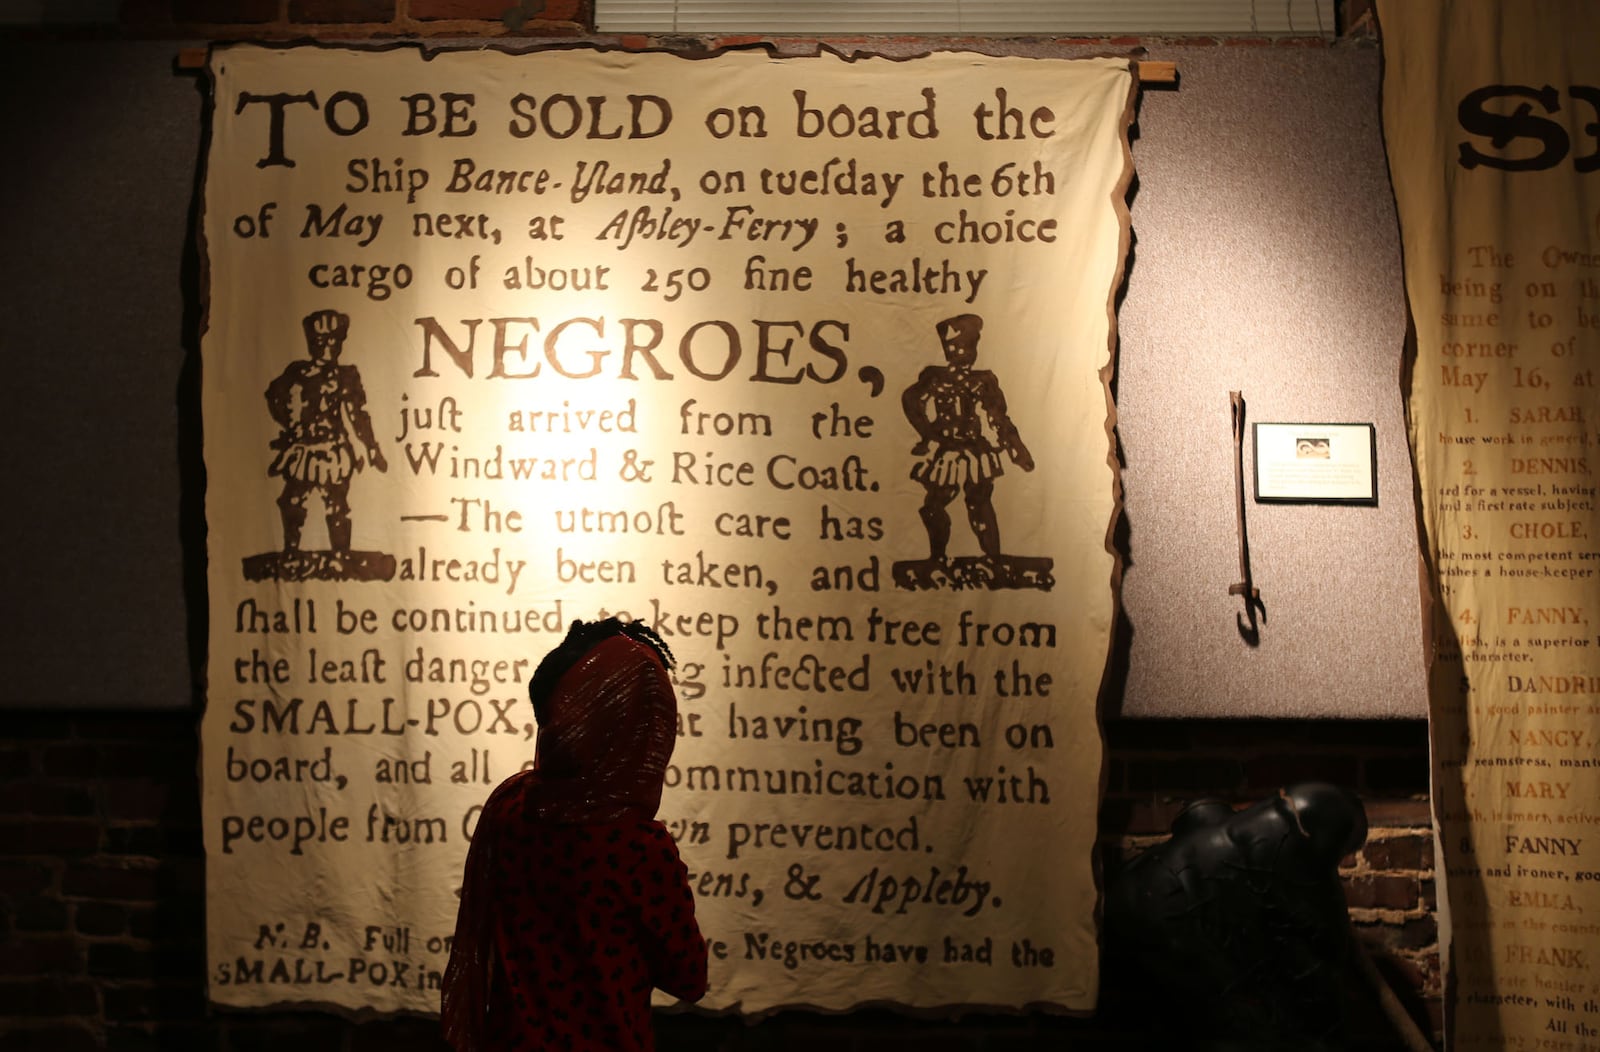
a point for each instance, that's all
(40, 955)
(1409, 851)
(92, 881)
(1358, 893)
(165, 760)
(564, 11)
(158, 727)
(473, 10)
(54, 1037)
(1414, 934)
(76, 761)
(187, 875)
(325, 11)
(225, 12)
(116, 960)
(179, 917)
(516, 16)
(140, 1002)
(321, 1035)
(40, 913)
(196, 1034)
(134, 798)
(24, 878)
(155, 841)
(141, 841)
(70, 760)
(15, 762)
(56, 836)
(1355, 15)
(42, 997)
(1419, 933)
(1381, 892)
(179, 959)
(46, 799)
(1397, 813)
(16, 798)
(399, 1035)
(99, 918)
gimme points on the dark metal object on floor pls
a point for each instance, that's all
(1239, 923)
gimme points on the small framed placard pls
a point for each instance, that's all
(1317, 463)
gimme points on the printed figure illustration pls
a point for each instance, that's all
(325, 438)
(959, 414)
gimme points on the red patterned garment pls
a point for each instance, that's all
(574, 903)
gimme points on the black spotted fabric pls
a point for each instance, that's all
(591, 917)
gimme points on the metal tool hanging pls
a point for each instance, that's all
(1249, 629)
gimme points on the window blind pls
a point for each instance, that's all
(1089, 17)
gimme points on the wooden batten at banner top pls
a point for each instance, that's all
(1150, 72)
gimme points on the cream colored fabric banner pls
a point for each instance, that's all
(1490, 113)
(803, 362)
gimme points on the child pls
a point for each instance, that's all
(574, 904)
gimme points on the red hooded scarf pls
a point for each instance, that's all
(602, 753)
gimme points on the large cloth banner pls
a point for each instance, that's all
(802, 362)
(1491, 113)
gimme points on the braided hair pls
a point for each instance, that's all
(583, 636)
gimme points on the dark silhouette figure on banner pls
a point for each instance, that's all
(325, 438)
(959, 414)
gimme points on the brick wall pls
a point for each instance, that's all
(251, 19)
(102, 889)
